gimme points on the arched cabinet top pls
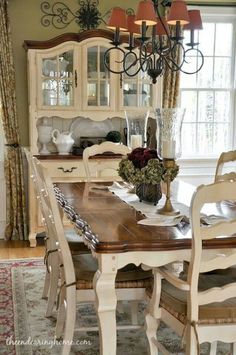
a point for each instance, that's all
(76, 37)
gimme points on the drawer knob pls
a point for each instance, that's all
(67, 170)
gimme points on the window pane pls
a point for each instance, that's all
(189, 101)
(205, 138)
(222, 72)
(205, 75)
(223, 42)
(205, 106)
(222, 106)
(221, 138)
(188, 139)
(206, 39)
(207, 126)
(190, 66)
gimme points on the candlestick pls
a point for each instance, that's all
(168, 209)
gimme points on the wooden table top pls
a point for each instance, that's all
(114, 223)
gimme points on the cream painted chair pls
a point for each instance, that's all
(77, 272)
(224, 159)
(51, 253)
(201, 308)
(104, 170)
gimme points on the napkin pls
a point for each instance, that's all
(212, 219)
(160, 220)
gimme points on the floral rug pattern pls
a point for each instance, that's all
(25, 331)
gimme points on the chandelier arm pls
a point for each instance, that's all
(143, 57)
(126, 70)
(201, 56)
(162, 22)
(106, 59)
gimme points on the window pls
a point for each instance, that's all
(209, 96)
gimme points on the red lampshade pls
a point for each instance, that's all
(195, 20)
(178, 12)
(131, 25)
(117, 19)
(146, 13)
(160, 29)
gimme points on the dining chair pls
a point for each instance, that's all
(77, 271)
(51, 258)
(224, 160)
(202, 306)
(104, 170)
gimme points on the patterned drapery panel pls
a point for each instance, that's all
(16, 227)
(171, 83)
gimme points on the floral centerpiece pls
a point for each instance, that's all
(144, 169)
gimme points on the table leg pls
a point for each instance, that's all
(104, 286)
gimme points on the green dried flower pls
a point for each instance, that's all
(152, 173)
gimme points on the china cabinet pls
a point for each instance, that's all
(68, 82)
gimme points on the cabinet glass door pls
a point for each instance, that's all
(58, 80)
(137, 90)
(98, 78)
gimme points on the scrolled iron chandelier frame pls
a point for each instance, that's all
(152, 54)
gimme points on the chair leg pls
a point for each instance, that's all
(53, 288)
(153, 315)
(191, 341)
(233, 349)
(70, 319)
(213, 348)
(151, 333)
(46, 285)
(61, 315)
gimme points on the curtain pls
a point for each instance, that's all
(16, 227)
(171, 82)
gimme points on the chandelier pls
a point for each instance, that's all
(163, 48)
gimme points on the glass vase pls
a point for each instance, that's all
(169, 126)
(136, 122)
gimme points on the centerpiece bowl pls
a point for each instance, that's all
(144, 169)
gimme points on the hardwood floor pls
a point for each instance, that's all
(16, 249)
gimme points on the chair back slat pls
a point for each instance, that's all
(103, 170)
(218, 229)
(217, 194)
(52, 218)
(225, 259)
(224, 159)
(217, 294)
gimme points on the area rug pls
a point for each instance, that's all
(25, 331)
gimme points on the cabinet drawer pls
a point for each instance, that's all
(64, 170)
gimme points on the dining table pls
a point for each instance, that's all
(116, 238)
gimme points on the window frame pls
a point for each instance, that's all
(197, 166)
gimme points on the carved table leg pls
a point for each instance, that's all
(104, 286)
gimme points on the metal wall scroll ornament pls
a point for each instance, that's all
(59, 15)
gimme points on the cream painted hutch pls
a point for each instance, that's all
(68, 85)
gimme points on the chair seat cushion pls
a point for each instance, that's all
(175, 300)
(130, 276)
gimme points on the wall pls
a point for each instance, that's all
(25, 19)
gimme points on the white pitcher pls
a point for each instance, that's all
(63, 141)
